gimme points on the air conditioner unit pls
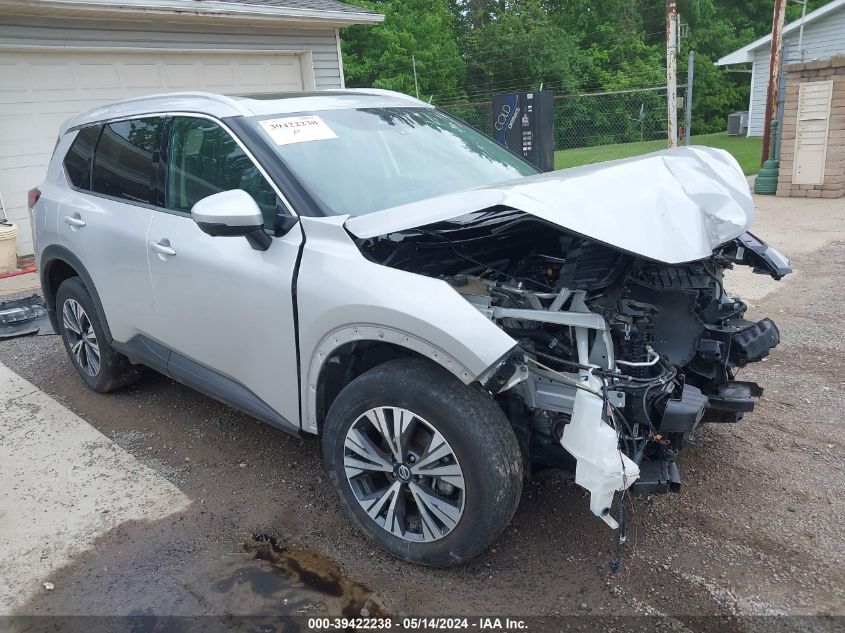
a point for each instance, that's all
(738, 124)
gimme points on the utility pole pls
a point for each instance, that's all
(688, 99)
(416, 85)
(774, 70)
(672, 70)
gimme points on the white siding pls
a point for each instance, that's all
(757, 102)
(23, 31)
(823, 38)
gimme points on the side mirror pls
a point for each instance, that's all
(232, 213)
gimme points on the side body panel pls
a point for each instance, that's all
(208, 381)
(109, 238)
(44, 217)
(227, 307)
(112, 247)
(343, 297)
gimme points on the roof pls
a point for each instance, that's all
(312, 5)
(332, 12)
(746, 53)
(221, 106)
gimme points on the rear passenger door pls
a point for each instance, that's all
(224, 309)
(112, 170)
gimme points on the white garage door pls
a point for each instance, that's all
(39, 90)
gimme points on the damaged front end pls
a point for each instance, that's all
(619, 356)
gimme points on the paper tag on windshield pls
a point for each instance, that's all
(297, 129)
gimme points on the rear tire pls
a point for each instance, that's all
(432, 507)
(100, 367)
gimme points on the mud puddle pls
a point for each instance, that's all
(268, 577)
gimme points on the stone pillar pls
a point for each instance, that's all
(834, 173)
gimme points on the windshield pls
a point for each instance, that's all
(359, 161)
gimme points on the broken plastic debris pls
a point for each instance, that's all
(22, 317)
(600, 467)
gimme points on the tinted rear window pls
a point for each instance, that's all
(78, 159)
(126, 159)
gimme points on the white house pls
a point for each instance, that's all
(59, 57)
(823, 36)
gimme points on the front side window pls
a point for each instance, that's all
(126, 159)
(78, 158)
(204, 159)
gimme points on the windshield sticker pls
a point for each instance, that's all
(297, 129)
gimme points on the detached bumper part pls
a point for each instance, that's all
(657, 477)
(735, 396)
(754, 342)
(601, 467)
(682, 415)
(764, 259)
(22, 317)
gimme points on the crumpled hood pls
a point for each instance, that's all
(671, 206)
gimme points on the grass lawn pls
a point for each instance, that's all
(746, 151)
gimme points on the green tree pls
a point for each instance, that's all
(612, 35)
(477, 13)
(380, 56)
(520, 47)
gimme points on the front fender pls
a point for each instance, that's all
(341, 296)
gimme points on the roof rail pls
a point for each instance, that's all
(188, 94)
(386, 93)
(107, 110)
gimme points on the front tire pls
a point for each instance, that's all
(427, 467)
(100, 367)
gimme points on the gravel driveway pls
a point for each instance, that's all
(757, 529)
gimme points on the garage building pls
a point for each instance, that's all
(60, 57)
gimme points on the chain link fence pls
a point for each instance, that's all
(592, 127)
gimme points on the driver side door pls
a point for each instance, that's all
(224, 310)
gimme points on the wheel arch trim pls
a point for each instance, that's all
(365, 332)
(56, 253)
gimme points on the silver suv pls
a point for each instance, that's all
(361, 266)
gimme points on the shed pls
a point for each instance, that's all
(60, 57)
(823, 37)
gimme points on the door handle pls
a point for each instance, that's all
(163, 248)
(74, 221)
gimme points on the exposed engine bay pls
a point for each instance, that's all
(618, 359)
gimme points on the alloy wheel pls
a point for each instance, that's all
(81, 337)
(404, 474)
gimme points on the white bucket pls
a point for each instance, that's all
(8, 255)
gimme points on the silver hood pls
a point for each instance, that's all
(671, 206)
